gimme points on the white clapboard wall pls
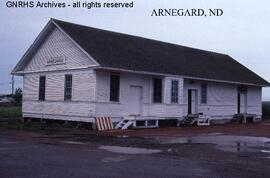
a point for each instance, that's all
(91, 89)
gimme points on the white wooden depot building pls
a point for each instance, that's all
(78, 73)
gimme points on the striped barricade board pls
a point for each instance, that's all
(104, 123)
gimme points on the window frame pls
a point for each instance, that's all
(42, 89)
(175, 91)
(114, 87)
(68, 94)
(204, 93)
(157, 99)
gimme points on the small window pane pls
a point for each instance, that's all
(203, 93)
(174, 91)
(114, 87)
(42, 86)
(68, 87)
(157, 90)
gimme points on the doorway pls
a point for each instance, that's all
(192, 101)
(135, 100)
(242, 102)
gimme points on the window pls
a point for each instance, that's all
(68, 87)
(157, 90)
(42, 86)
(203, 93)
(174, 91)
(114, 87)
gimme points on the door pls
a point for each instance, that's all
(192, 101)
(135, 100)
(242, 102)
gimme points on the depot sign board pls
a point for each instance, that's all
(56, 61)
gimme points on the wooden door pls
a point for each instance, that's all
(192, 101)
(135, 100)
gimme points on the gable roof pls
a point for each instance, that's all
(127, 52)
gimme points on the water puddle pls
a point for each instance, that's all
(73, 142)
(113, 159)
(9, 142)
(265, 151)
(129, 150)
(214, 133)
(224, 142)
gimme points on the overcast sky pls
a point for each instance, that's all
(242, 31)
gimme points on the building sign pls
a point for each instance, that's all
(56, 61)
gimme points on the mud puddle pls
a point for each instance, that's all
(224, 142)
(129, 150)
(74, 142)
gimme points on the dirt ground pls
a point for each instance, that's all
(251, 129)
(216, 151)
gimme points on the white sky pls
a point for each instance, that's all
(242, 32)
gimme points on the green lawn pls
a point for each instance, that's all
(10, 111)
(11, 118)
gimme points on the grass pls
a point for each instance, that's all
(16, 123)
(10, 111)
(10, 117)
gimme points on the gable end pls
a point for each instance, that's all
(53, 50)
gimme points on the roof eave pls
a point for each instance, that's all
(16, 70)
(186, 77)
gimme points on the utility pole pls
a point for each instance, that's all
(12, 85)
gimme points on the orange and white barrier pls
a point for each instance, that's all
(104, 123)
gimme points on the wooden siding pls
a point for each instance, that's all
(83, 95)
(90, 97)
(91, 89)
(119, 109)
(222, 99)
(57, 44)
(254, 100)
(60, 117)
(82, 106)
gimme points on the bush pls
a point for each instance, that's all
(18, 96)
